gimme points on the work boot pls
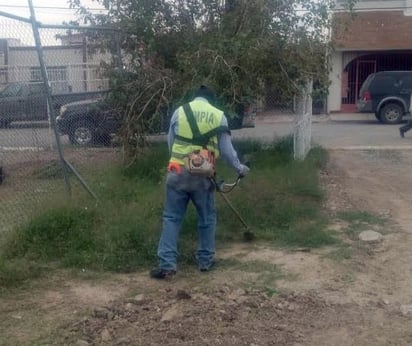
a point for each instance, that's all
(159, 273)
(402, 132)
(204, 269)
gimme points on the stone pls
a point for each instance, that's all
(171, 314)
(370, 236)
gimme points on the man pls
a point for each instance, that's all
(195, 127)
(405, 128)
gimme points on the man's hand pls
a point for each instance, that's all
(243, 171)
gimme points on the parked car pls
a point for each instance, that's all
(387, 94)
(87, 122)
(93, 121)
(28, 102)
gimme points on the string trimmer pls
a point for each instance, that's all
(224, 188)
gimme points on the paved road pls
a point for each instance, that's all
(27, 136)
(337, 132)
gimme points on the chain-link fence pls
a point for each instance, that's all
(56, 77)
(33, 167)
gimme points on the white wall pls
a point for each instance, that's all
(80, 76)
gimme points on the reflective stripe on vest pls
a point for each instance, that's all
(208, 118)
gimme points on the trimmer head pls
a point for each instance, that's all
(248, 235)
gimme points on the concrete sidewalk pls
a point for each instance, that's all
(268, 118)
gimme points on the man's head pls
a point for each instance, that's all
(207, 93)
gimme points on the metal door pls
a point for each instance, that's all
(363, 69)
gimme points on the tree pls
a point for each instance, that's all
(238, 47)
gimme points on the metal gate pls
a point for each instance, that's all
(356, 72)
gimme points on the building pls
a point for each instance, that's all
(377, 36)
(72, 66)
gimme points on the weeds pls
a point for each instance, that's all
(359, 221)
(281, 200)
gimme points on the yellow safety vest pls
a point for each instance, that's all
(208, 120)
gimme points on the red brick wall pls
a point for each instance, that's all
(372, 31)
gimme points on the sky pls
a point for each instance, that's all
(47, 12)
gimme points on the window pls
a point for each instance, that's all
(57, 77)
(383, 84)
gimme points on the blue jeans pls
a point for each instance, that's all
(180, 189)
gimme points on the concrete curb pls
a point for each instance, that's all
(370, 147)
(317, 118)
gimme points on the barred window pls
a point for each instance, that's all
(57, 77)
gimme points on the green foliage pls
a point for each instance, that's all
(239, 48)
(52, 170)
(55, 233)
(357, 216)
(150, 166)
(14, 272)
(281, 200)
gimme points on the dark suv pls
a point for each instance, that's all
(387, 94)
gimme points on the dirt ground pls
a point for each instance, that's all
(321, 297)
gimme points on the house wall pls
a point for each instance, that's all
(374, 30)
(70, 69)
(368, 5)
(376, 26)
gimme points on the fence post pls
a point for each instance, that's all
(302, 133)
(51, 109)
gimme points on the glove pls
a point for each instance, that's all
(243, 170)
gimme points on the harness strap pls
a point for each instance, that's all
(193, 126)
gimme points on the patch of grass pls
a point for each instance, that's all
(281, 199)
(270, 291)
(53, 170)
(150, 166)
(360, 221)
(362, 217)
(13, 272)
(53, 235)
